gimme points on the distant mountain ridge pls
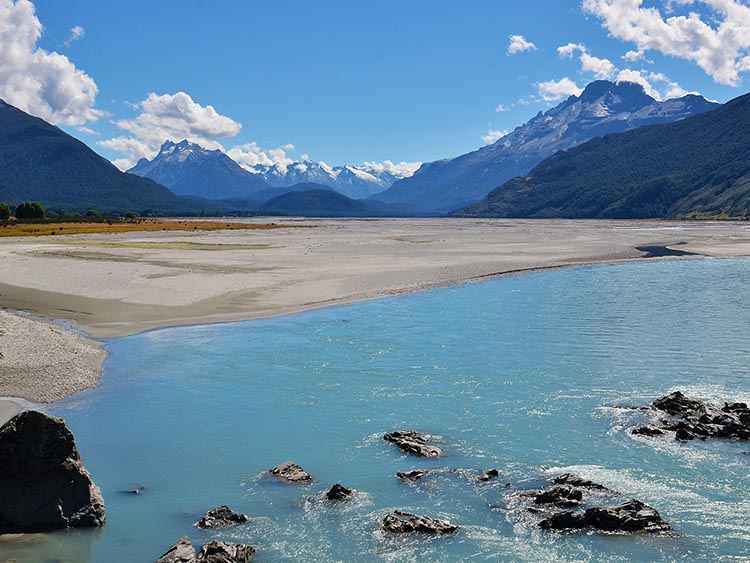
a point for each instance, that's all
(189, 169)
(603, 107)
(40, 162)
(696, 167)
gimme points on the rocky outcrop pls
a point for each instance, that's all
(488, 475)
(575, 480)
(181, 551)
(630, 516)
(563, 496)
(43, 483)
(398, 522)
(290, 472)
(412, 442)
(696, 419)
(223, 552)
(220, 517)
(339, 492)
(413, 475)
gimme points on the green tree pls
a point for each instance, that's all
(4, 211)
(92, 213)
(131, 215)
(30, 210)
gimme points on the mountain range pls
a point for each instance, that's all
(40, 162)
(696, 167)
(603, 107)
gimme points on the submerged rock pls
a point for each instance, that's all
(575, 480)
(137, 490)
(339, 492)
(223, 552)
(290, 472)
(413, 475)
(412, 442)
(488, 475)
(398, 522)
(562, 495)
(43, 483)
(220, 517)
(630, 516)
(647, 430)
(181, 551)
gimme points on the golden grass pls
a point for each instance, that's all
(140, 225)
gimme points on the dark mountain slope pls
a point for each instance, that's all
(316, 203)
(700, 165)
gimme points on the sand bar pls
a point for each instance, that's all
(118, 284)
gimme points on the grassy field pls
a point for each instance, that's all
(50, 228)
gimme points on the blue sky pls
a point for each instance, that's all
(348, 82)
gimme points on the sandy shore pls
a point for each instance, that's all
(114, 285)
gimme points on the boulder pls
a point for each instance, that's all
(339, 492)
(575, 480)
(678, 404)
(220, 517)
(413, 475)
(43, 483)
(412, 442)
(562, 495)
(398, 522)
(488, 474)
(290, 472)
(181, 551)
(630, 516)
(223, 552)
(647, 430)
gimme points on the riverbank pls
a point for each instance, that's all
(118, 284)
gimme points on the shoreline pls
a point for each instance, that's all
(109, 286)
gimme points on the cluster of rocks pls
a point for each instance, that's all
(695, 419)
(43, 483)
(398, 522)
(629, 516)
(413, 442)
(182, 551)
(221, 517)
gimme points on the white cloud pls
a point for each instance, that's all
(633, 56)
(250, 155)
(665, 90)
(501, 108)
(720, 46)
(494, 135)
(170, 117)
(398, 169)
(519, 44)
(76, 33)
(603, 69)
(554, 90)
(42, 83)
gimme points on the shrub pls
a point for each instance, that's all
(30, 210)
(4, 211)
(92, 213)
(131, 215)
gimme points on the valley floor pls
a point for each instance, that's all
(118, 284)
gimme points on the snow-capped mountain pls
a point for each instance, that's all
(603, 107)
(356, 182)
(188, 169)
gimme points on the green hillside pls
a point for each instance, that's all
(699, 166)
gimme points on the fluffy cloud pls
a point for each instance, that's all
(250, 155)
(519, 44)
(656, 85)
(554, 90)
(42, 83)
(603, 69)
(501, 108)
(75, 34)
(720, 45)
(169, 116)
(494, 135)
(398, 169)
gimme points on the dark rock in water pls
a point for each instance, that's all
(563, 496)
(678, 404)
(43, 483)
(647, 430)
(489, 474)
(413, 442)
(575, 480)
(220, 517)
(566, 520)
(683, 435)
(290, 472)
(181, 551)
(413, 475)
(339, 492)
(223, 552)
(137, 490)
(630, 516)
(398, 522)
